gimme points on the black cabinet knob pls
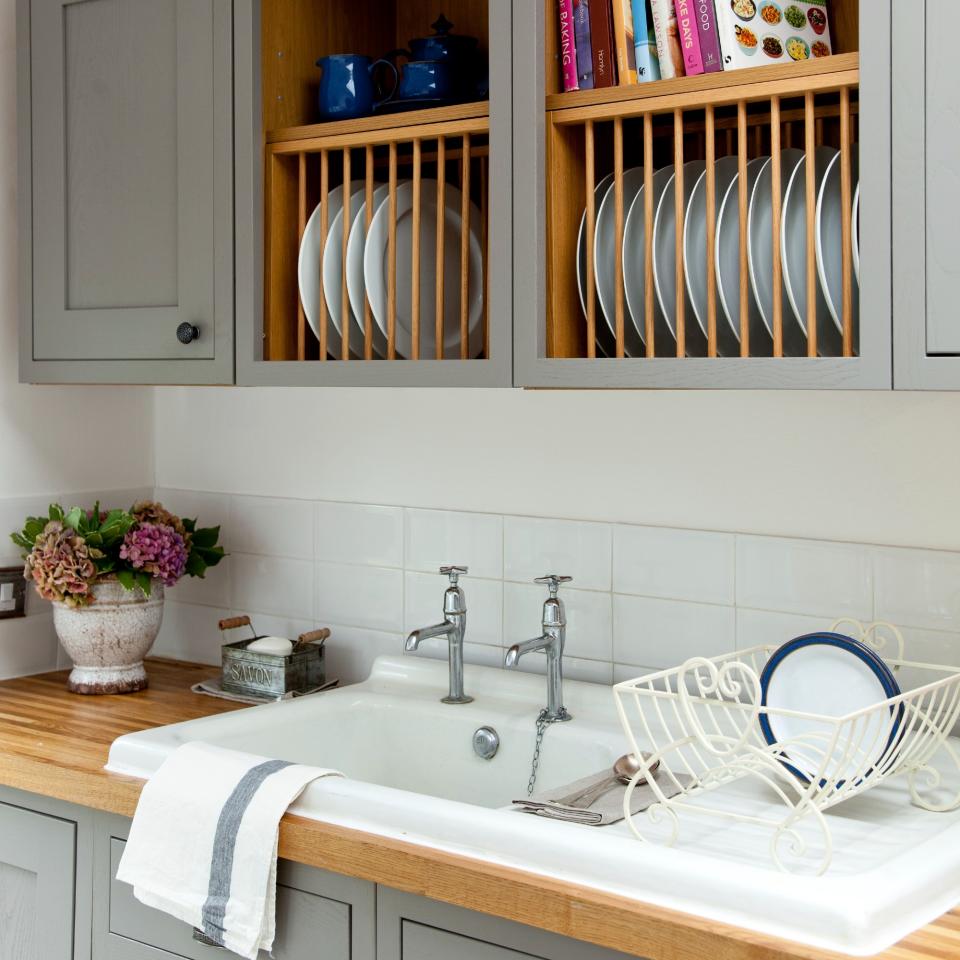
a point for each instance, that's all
(188, 332)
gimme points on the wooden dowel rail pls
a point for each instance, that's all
(464, 250)
(678, 208)
(776, 203)
(846, 220)
(485, 248)
(648, 291)
(590, 231)
(347, 220)
(810, 169)
(415, 254)
(301, 227)
(742, 201)
(324, 224)
(392, 258)
(441, 246)
(618, 246)
(711, 234)
(368, 217)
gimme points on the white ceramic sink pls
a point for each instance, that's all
(411, 773)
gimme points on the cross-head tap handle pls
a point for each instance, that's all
(553, 581)
(454, 573)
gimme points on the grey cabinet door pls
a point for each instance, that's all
(319, 915)
(36, 885)
(415, 928)
(926, 199)
(130, 180)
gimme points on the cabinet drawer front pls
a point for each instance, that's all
(36, 885)
(130, 170)
(308, 925)
(428, 943)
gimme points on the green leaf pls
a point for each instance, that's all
(74, 518)
(144, 582)
(206, 537)
(188, 525)
(196, 566)
(127, 579)
(56, 511)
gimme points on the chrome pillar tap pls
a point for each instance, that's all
(454, 627)
(551, 641)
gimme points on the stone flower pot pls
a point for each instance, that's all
(108, 639)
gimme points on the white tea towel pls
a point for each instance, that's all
(203, 843)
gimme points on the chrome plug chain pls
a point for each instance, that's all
(542, 724)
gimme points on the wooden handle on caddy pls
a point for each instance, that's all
(312, 636)
(231, 623)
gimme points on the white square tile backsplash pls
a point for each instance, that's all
(533, 547)
(804, 576)
(643, 598)
(436, 538)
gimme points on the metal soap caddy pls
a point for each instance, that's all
(701, 723)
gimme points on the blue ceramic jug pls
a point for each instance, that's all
(346, 86)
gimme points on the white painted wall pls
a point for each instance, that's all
(867, 467)
(55, 442)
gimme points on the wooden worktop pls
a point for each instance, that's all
(55, 744)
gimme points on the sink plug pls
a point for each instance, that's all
(486, 742)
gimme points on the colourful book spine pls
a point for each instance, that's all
(645, 41)
(689, 39)
(669, 52)
(601, 39)
(568, 47)
(623, 37)
(581, 33)
(709, 37)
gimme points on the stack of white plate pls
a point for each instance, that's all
(367, 265)
(760, 294)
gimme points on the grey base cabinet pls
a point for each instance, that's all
(44, 879)
(59, 900)
(319, 914)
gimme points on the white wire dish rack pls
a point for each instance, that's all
(702, 726)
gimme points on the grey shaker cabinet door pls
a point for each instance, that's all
(926, 198)
(320, 916)
(36, 885)
(415, 928)
(130, 184)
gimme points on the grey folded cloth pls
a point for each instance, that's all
(605, 809)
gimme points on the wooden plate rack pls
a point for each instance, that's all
(742, 114)
(447, 147)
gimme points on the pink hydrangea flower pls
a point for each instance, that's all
(156, 549)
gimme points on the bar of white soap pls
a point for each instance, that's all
(275, 645)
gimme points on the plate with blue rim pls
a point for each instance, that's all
(829, 675)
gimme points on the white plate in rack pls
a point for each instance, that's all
(665, 258)
(375, 270)
(760, 251)
(728, 265)
(356, 285)
(830, 239)
(606, 345)
(793, 252)
(828, 675)
(309, 267)
(695, 253)
(634, 266)
(606, 255)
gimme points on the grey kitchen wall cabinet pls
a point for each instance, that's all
(287, 162)
(652, 319)
(126, 190)
(415, 928)
(319, 914)
(45, 857)
(926, 200)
